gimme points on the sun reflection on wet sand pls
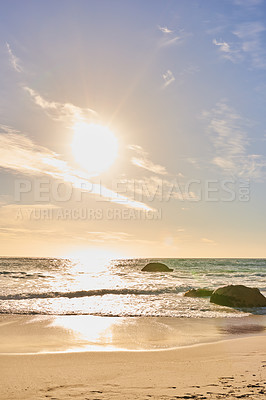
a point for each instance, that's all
(45, 334)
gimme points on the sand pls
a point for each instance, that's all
(230, 369)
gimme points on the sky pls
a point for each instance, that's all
(133, 128)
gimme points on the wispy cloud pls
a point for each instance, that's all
(171, 37)
(164, 29)
(227, 51)
(66, 112)
(208, 241)
(251, 42)
(13, 232)
(228, 133)
(142, 160)
(108, 236)
(224, 47)
(248, 3)
(168, 78)
(247, 45)
(172, 41)
(15, 62)
(187, 72)
(21, 155)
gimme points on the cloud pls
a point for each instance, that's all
(66, 112)
(170, 42)
(228, 133)
(208, 241)
(227, 51)
(15, 62)
(251, 42)
(224, 47)
(20, 154)
(248, 45)
(13, 232)
(17, 152)
(168, 78)
(170, 38)
(216, 29)
(249, 30)
(164, 29)
(248, 3)
(142, 161)
(188, 71)
(108, 236)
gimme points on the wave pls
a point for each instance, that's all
(22, 274)
(95, 292)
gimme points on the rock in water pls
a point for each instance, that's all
(156, 267)
(198, 293)
(238, 296)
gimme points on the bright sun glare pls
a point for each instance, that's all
(94, 147)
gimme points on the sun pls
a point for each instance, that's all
(94, 147)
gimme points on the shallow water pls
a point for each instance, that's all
(118, 288)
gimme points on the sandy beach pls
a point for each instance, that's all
(231, 369)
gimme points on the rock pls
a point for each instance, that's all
(156, 267)
(238, 296)
(198, 293)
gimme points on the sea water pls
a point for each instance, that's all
(118, 288)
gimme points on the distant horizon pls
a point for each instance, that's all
(142, 257)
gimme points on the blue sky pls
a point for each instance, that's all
(181, 84)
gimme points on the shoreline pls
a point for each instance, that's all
(235, 368)
(121, 351)
(20, 334)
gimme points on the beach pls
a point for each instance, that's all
(41, 359)
(230, 369)
(67, 331)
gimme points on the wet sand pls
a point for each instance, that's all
(43, 333)
(225, 369)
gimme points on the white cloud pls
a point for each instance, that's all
(223, 46)
(228, 133)
(170, 37)
(142, 161)
(168, 78)
(66, 112)
(15, 62)
(17, 152)
(227, 51)
(247, 44)
(20, 154)
(172, 41)
(164, 29)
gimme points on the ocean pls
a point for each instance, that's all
(118, 288)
